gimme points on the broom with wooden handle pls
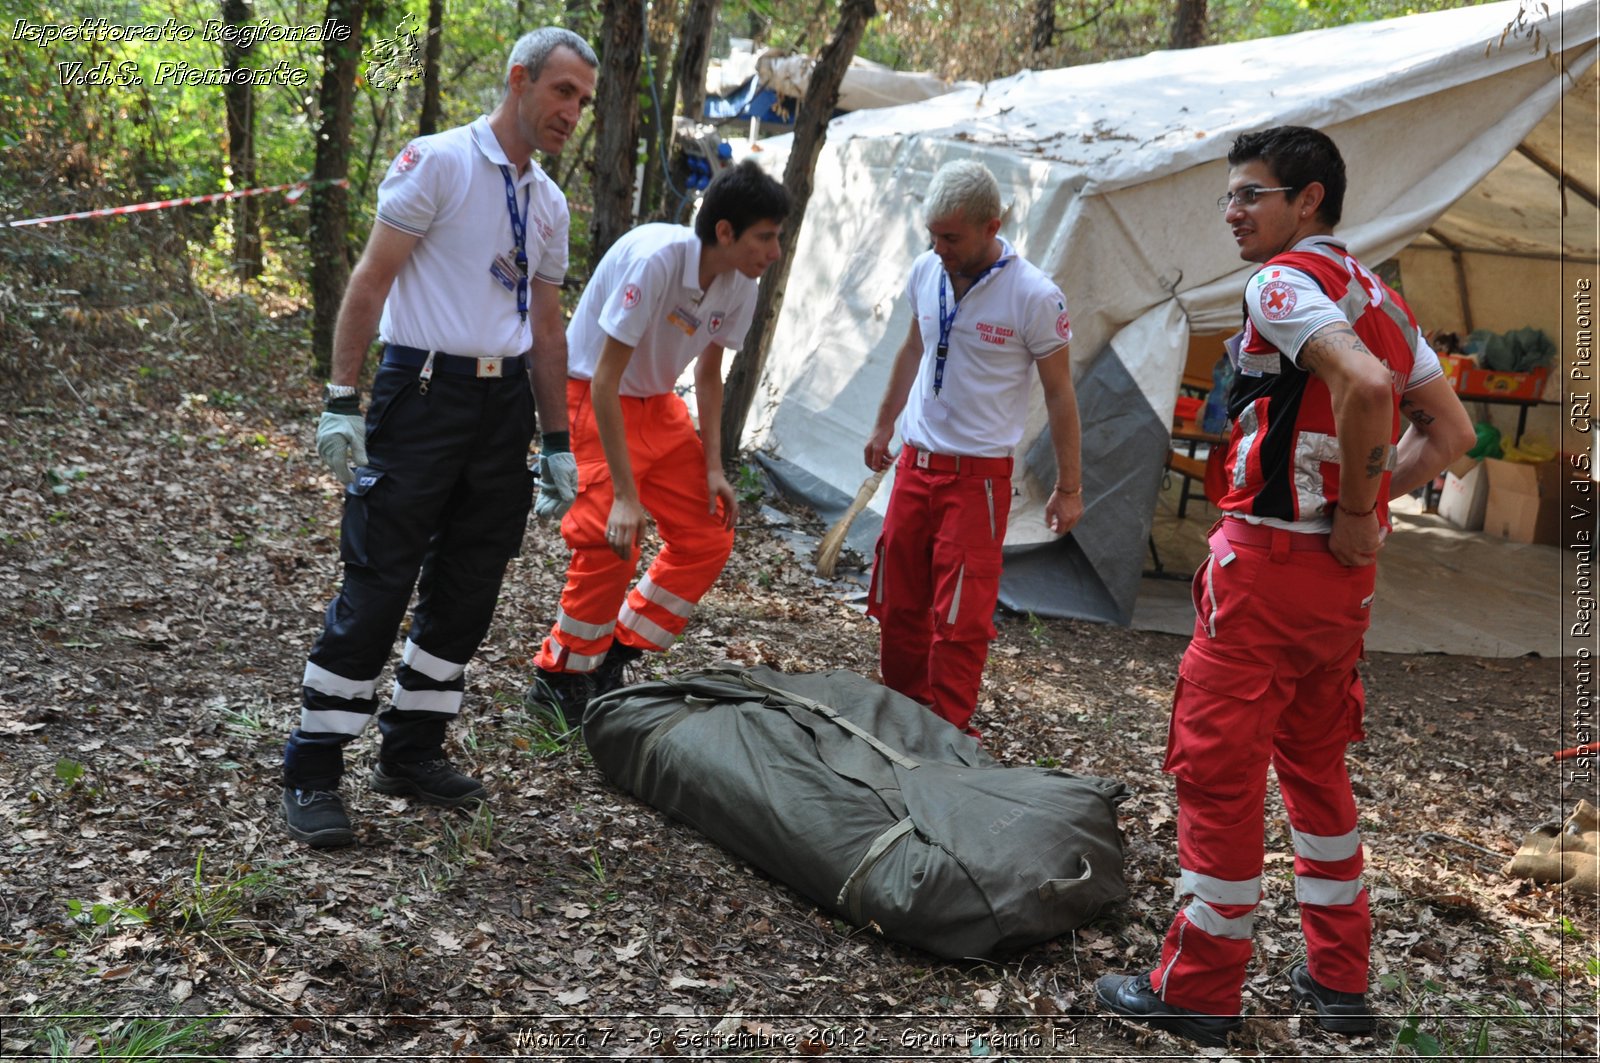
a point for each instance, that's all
(828, 551)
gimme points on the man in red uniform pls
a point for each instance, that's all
(984, 321)
(662, 297)
(1329, 360)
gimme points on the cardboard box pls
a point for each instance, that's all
(1455, 365)
(1465, 495)
(1524, 501)
(1470, 380)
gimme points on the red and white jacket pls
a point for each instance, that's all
(1283, 458)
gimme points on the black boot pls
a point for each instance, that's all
(433, 781)
(316, 817)
(1132, 996)
(559, 698)
(609, 675)
(1336, 1012)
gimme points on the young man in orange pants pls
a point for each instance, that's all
(663, 296)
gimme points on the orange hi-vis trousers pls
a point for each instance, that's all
(669, 467)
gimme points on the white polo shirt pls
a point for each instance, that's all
(646, 293)
(448, 189)
(1012, 316)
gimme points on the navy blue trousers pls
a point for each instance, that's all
(440, 508)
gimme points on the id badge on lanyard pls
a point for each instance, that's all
(947, 321)
(512, 271)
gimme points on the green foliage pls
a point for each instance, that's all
(69, 772)
(752, 485)
(94, 916)
(80, 1037)
(465, 842)
(220, 909)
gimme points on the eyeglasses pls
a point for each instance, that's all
(1246, 196)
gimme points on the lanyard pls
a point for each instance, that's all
(947, 321)
(519, 235)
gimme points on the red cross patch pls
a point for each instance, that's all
(631, 296)
(408, 158)
(1277, 300)
(1063, 326)
(715, 323)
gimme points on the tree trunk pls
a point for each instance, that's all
(687, 90)
(330, 260)
(1189, 24)
(1044, 29)
(810, 133)
(428, 121)
(239, 98)
(657, 134)
(616, 116)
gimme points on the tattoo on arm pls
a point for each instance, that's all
(1376, 462)
(1419, 416)
(1325, 341)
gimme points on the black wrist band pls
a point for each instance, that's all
(555, 442)
(350, 404)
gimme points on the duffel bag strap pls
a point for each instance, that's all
(850, 893)
(828, 712)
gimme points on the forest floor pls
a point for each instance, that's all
(169, 541)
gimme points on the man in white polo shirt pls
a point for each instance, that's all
(465, 265)
(983, 321)
(663, 296)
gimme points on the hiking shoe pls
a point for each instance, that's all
(316, 817)
(1132, 997)
(559, 697)
(608, 676)
(1336, 1012)
(433, 781)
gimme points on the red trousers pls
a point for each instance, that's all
(937, 577)
(669, 467)
(1269, 678)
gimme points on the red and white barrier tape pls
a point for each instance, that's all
(295, 190)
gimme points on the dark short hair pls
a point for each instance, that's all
(1297, 156)
(741, 196)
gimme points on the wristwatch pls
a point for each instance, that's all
(333, 392)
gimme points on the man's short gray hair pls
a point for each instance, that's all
(965, 188)
(533, 49)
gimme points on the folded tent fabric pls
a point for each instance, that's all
(868, 804)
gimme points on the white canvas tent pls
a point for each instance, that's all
(1109, 173)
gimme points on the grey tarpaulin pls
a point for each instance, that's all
(868, 804)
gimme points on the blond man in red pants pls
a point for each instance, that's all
(984, 321)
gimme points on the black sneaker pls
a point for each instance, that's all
(433, 781)
(316, 817)
(1336, 1012)
(608, 676)
(1131, 996)
(559, 697)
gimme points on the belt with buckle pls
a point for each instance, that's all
(955, 463)
(454, 364)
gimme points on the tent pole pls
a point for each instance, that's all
(1461, 276)
(1563, 179)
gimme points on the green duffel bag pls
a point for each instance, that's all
(868, 804)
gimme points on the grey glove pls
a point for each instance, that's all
(558, 484)
(342, 442)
